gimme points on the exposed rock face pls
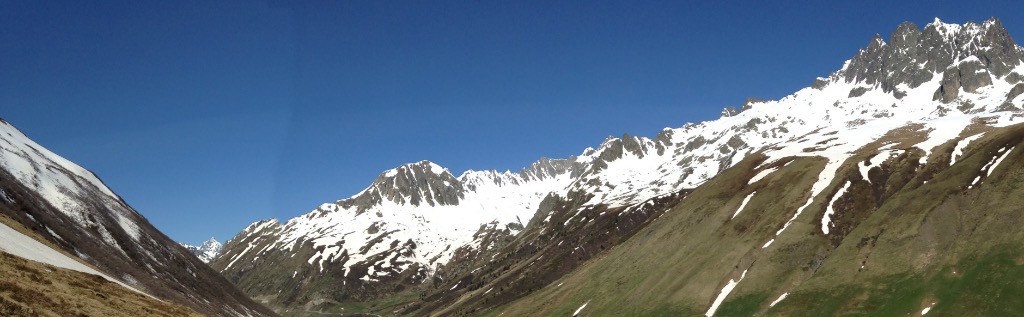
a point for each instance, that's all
(950, 87)
(547, 168)
(857, 92)
(1014, 78)
(1015, 91)
(969, 75)
(973, 75)
(913, 55)
(747, 104)
(421, 183)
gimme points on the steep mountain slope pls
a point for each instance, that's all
(205, 252)
(390, 236)
(73, 210)
(39, 280)
(909, 237)
(894, 110)
(899, 201)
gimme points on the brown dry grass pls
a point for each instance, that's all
(30, 288)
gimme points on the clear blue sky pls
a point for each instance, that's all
(208, 115)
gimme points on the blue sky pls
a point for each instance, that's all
(209, 115)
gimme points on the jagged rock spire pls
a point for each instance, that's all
(913, 56)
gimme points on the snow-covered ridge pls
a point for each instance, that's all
(206, 251)
(346, 226)
(68, 187)
(35, 166)
(837, 116)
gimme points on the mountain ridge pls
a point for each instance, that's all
(941, 91)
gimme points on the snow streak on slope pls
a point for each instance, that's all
(21, 245)
(777, 300)
(991, 165)
(959, 149)
(725, 292)
(743, 204)
(830, 210)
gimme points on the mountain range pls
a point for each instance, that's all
(889, 187)
(861, 179)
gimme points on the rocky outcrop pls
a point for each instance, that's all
(969, 75)
(546, 168)
(913, 55)
(418, 183)
(1015, 91)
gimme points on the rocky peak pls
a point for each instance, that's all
(211, 244)
(416, 184)
(546, 168)
(732, 111)
(206, 251)
(614, 148)
(913, 56)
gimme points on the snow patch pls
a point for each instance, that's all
(991, 166)
(743, 204)
(725, 292)
(927, 309)
(16, 243)
(958, 150)
(578, 310)
(988, 172)
(777, 300)
(760, 175)
(129, 227)
(830, 209)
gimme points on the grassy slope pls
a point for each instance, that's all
(910, 247)
(677, 265)
(945, 244)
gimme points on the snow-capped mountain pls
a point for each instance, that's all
(921, 90)
(206, 251)
(73, 210)
(896, 192)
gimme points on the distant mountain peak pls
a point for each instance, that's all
(205, 251)
(211, 243)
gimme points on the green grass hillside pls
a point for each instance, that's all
(909, 237)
